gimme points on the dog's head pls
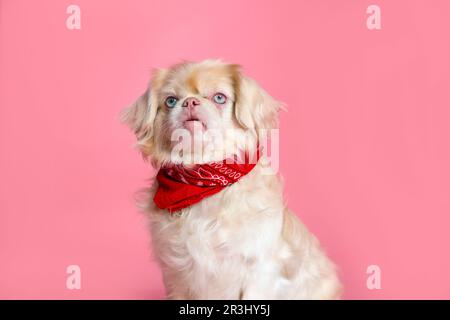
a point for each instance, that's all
(209, 105)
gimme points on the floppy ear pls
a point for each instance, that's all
(140, 116)
(254, 107)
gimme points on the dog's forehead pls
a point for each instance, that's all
(200, 79)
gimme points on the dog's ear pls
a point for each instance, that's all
(141, 115)
(254, 107)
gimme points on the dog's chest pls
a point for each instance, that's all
(218, 232)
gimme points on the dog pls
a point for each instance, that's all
(218, 235)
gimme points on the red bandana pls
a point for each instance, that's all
(180, 186)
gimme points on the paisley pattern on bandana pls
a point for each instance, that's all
(180, 186)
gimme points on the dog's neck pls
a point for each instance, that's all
(182, 185)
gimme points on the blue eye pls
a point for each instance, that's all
(170, 102)
(220, 98)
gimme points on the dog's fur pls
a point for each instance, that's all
(241, 243)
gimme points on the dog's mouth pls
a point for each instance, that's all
(192, 119)
(193, 123)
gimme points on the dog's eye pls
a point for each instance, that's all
(170, 102)
(219, 98)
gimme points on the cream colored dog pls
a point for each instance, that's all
(242, 242)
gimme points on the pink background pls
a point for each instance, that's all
(365, 144)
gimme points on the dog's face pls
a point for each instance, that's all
(198, 112)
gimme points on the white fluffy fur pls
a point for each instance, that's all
(241, 243)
